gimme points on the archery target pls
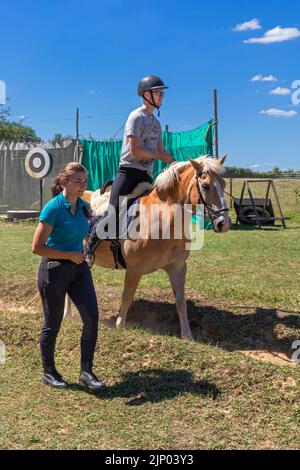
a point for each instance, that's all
(38, 163)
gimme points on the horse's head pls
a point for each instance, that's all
(207, 188)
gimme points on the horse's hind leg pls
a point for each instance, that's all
(132, 280)
(177, 278)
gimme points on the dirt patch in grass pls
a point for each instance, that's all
(18, 290)
(265, 334)
(271, 357)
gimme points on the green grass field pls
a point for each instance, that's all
(235, 387)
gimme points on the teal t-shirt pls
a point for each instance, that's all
(68, 230)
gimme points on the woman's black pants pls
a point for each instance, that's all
(54, 282)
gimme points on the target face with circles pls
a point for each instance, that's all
(38, 163)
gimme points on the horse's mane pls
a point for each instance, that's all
(170, 177)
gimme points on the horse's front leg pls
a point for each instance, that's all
(132, 280)
(68, 308)
(177, 276)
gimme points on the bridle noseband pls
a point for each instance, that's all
(209, 211)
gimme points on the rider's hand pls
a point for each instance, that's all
(76, 257)
(167, 158)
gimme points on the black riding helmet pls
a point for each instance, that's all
(150, 83)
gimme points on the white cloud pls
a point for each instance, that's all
(94, 92)
(279, 113)
(280, 91)
(277, 34)
(261, 78)
(254, 167)
(20, 117)
(253, 24)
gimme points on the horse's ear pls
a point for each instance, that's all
(197, 166)
(222, 159)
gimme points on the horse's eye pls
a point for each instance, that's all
(205, 186)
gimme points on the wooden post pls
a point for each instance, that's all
(266, 198)
(257, 218)
(240, 203)
(216, 126)
(77, 124)
(230, 191)
(278, 204)
(77, 136)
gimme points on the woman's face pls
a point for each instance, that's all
(76, 184)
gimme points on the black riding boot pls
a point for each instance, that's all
(92, 242)
(88, 378)
(53, 378)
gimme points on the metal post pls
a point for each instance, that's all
(216, 140)
(41, 194)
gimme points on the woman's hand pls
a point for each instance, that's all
(76, 257)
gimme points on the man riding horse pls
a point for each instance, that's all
(183, 184)
(142, 144)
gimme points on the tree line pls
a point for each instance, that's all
(237, 172)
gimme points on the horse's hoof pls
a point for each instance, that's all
(119, 323)
(188, 338)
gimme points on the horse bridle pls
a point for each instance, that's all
(209, 211)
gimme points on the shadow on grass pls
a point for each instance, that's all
(153, 386)
(251, 328)
(252, 228)
(265, 228)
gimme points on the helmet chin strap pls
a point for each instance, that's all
(152, 103)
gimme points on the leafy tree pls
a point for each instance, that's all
(59, 138)
(4, 113)
(11, 130)
(276, 170)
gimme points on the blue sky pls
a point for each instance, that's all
(59, 55)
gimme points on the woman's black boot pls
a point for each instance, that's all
(89, 379)
(53, 378)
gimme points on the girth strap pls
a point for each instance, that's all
(115, 247)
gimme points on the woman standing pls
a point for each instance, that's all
(58, 238)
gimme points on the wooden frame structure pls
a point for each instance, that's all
(258, 219)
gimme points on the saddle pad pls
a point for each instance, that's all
(125, 222)
(132, 212)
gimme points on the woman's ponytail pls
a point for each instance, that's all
(56, 187)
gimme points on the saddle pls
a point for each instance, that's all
(99, 203)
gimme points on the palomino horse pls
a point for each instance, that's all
(193, 182)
